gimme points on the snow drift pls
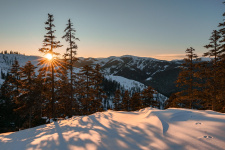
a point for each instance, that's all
(145, 129)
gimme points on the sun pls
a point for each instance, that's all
(49, 56)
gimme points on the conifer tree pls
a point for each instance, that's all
(214, 47)
(27, 98)
(126, 101)
(70, 53)
(86, 87)
(186, 79)
(203, 84)
(45, 78)
(172, 102)
(117, 100)
(40, 89)
(14, 78)
(148, 98)
(49, 45)
(7, 107)
(65, 105)
(212, 80)
(135, 102)
(222, 32)
(221, 66)
(99, 95)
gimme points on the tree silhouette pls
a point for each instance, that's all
(186, 79)
(70, 53)
(49, 44)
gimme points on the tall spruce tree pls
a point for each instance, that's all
(222, 32)
(7, 107)
(135, 102)
(26, 101)
(14, 78)
(64, 105)
(204, 93)
(70, 53)
(126, 101)
(117, 100)
(49, 45)
(214, 47)
(147, 97)
(212, 79)
(99, 95)
(86, 88)
(221, 66)
(186, 79)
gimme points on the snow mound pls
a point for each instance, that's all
(144, 129)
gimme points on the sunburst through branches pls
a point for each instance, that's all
(49, 56)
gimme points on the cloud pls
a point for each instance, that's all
(170, 56)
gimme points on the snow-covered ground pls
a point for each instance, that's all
(145, 129)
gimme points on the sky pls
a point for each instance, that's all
(161, 29)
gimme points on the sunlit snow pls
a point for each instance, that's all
(117, 130)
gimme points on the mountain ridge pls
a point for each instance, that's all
(148, 71)
(160, 74)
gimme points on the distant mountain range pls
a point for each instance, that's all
(160, 74)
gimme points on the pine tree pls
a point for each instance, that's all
(64, 105)
(221, 67)
(117, 100)
(99, 95)
(186, 79)
(14, 78)
(7, 115)
(148, 98)
(45, 80)
(212, 80)
(135, 102)
(222, 32)
(86, 88)
(70, 54)
(126, 101)
(40, 89)
(172, 102)
(27, 98)
(214, 46)
(203, 84)
(49, 44)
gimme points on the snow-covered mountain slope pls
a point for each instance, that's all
(6, 61)
(141, 130)
(126, 83)
(129, 84)
(159, 74)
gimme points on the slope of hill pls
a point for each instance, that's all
(145, 129)
(159, 74)
(129, 84)
(143, 71)
(6, 61)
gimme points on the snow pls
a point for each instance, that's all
(126, 83)
(6, 61)
(145, 129)
(148, 79)
(206, 59)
